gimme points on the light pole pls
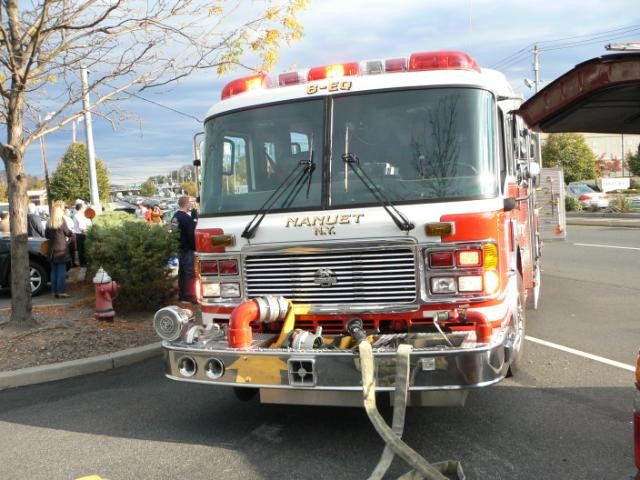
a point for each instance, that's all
(91, 155)
(74, 125)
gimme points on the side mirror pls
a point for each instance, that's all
(509, 204)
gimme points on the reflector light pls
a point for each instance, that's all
(441, 259)
(240, 85)
(395, 65)
(209, 267)
(470, 283)
(442, 60)
(490, 255)
(204, 240)
(228, 267)
(469, 258)
(443, 285)
(289, 78)
(584, 197)
(491, 282)
(440, 229)
(333, 71)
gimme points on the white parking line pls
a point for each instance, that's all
(579, 353)
(605, 246)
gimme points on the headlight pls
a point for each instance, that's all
(210, 289)
(230, 290)
(443, 285)
(470, 283)
(169, 322)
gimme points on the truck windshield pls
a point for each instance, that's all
(417, 146)
(248, 154)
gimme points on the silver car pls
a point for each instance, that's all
(587, 196)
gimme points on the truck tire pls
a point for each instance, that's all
(38, 278)
(518, 333)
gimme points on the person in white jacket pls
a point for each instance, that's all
(80, 226)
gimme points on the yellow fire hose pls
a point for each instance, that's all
(392, 436)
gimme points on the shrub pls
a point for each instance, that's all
(572, 204)
(620, 203)
(135, 254)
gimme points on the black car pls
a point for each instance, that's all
(39, 267)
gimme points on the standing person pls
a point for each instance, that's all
(34, 222)
(4, 224)
(141, 210)
(186, 272)
(58, 234)
(72, 241)
(80, 225)
(156, 215)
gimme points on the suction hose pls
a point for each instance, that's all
(263, 309)
(391, 437)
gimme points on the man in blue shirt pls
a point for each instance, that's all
(186, 272)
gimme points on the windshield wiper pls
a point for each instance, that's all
(396, 215)
(304, 168)
(309, 167)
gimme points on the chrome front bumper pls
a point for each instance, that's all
(434, 365)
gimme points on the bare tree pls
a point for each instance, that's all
(129, 46)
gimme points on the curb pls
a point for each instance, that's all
(74, 368)
(604, 222)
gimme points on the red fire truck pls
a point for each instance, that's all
(388, 200)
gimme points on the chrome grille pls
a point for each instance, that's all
(356, 277)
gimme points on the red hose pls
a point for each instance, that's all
(484, 330)
(239, 334)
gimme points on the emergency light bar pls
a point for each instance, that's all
(421, 61)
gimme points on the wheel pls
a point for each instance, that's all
(518, 332)
(37, 278)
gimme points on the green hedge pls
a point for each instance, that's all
(572, 204)
(134, 254)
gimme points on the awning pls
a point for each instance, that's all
(599, 95)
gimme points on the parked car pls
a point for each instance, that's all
(39, 266)
(587, 196)
(635, 203)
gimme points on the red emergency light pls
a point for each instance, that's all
(421, 61)
(245, 84)
(333, 71)
(442, 60)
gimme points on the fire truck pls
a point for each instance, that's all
(387, 201)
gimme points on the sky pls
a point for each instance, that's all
(153, 140)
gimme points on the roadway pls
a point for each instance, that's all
(563, 417)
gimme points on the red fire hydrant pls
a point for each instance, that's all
(106, 290)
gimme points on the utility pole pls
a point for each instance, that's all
(536, 83)
(91, 155)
